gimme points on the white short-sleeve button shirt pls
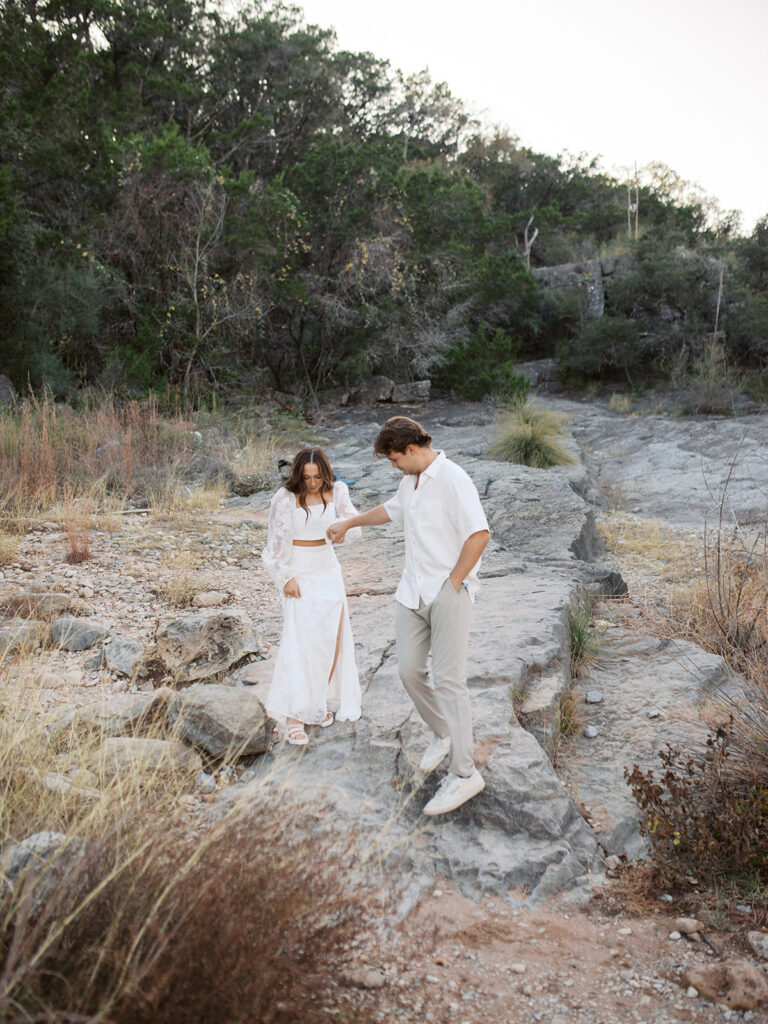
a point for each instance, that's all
(437, 517)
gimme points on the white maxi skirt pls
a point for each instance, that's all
(300, 687)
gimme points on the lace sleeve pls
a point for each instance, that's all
(345, 509)
(276, 555)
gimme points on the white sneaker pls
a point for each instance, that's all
(439, 748)
(455, 791)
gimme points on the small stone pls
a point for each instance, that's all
(688, 925)
(654, 712)
(369, 978)
(675, 936)
(594, 696)
(591, 732)
(612, 862)
(691, 992)
(205, 783)
(624, 931)
(210, 599)
(666, 898)
(437, 892)
(742, 908)
(527, 990)
(759, 943)
(517, 968)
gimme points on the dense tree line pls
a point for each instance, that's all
(192, 198)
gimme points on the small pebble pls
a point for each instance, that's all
(594, 696)
(517, 968)
(654, 712)
(675, 936)
(590, 732)
(691, 992)
(205, 783)
(624, 931)
(665, 897)
(743, 908)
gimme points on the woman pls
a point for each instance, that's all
(315, 675)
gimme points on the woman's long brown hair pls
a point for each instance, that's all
(295, 482)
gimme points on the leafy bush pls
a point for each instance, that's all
(703, 816)
(607, 348)
(484, 366)
(747, 331)
(529, 435)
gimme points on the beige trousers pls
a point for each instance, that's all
(443, 627)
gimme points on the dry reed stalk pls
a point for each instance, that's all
(78, 526)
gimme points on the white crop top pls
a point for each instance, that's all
(314, 525)
(286, 521)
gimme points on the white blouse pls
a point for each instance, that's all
(287, 522)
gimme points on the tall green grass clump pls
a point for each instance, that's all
(583, 638)
(530, 436)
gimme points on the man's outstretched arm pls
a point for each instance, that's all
(373, 517)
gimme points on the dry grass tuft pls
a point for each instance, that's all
(186, 582)
(9, 547)
(78, 526)
(652, 546)
(143, 913)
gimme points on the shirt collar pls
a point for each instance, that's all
(435, 465)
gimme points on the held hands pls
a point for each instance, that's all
(291, 588)
(336, 533)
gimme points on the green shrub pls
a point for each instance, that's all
(484, 366)
(747, 331)
(529, 436)
(607, 348)
(705, 815)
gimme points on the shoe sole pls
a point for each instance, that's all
(456, 805)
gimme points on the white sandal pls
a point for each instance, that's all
(296, 735)
(328, 720)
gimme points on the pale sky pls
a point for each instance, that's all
(680, 81)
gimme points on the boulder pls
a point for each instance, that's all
(7, 390)
(121, 715)
(56, 783)
(202, 645)
(246, 484)
(123, 655)
(415, 391)
(22, 636)
(611, 585)
(375, 389)
(117, 755)
(35, 849)
(736, 983)
(585, 279)
(222, 720)
(73, 634)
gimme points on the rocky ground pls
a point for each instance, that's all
(498, 912)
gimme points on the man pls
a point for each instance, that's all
(445, 534)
